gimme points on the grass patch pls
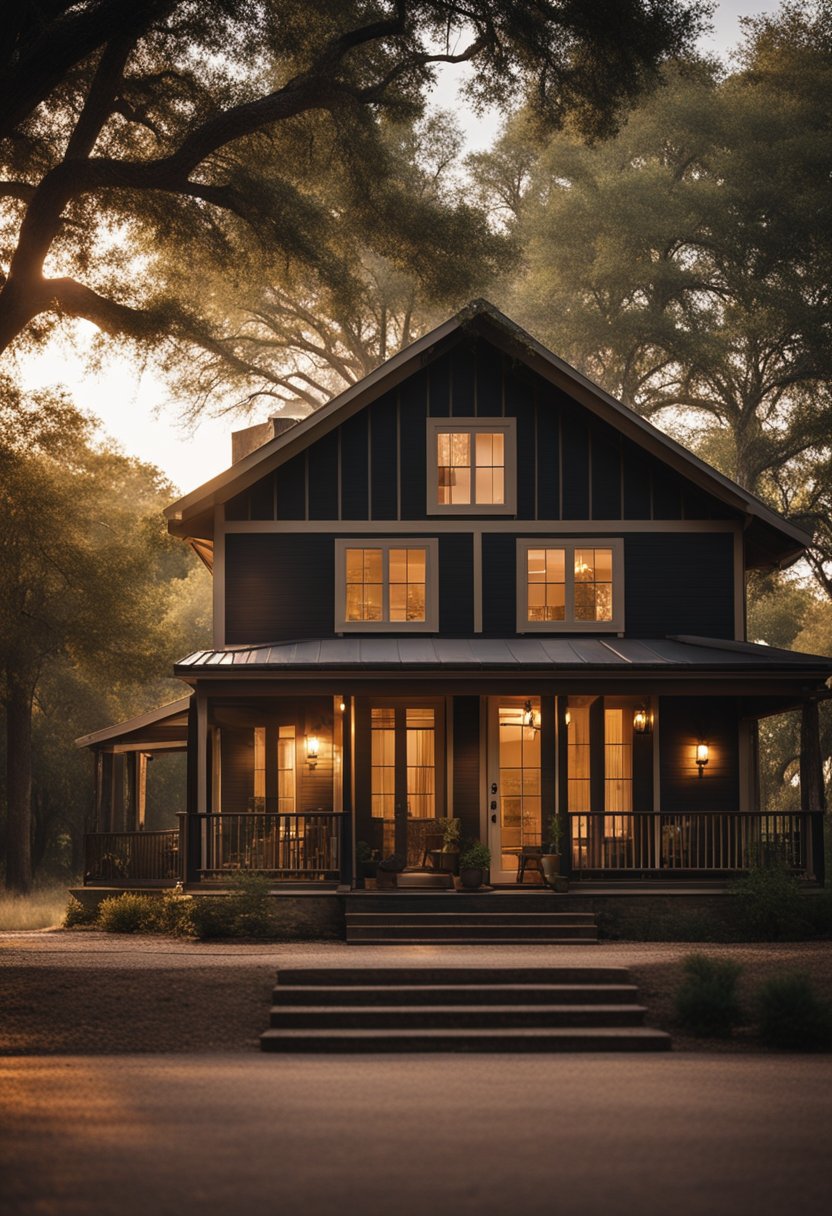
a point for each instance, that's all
(791, 1016)
(43, 909)
(707, 1004)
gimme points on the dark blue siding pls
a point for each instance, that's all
(489, 381)
(278, 587)
(412, 438)
(499, 602)
(520, 405)
(456, 585)
(439, 387)
(466, 764)
(548, 461)
(383, 458)
(679, 583)
(575, 465)
(291, 489)
(638, 495)
(323, 478)
(606, 472)
(355, 497)
(463, 380)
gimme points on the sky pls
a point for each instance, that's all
(135, 408)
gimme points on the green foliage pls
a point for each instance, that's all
(554, 833)
(129, 913)
(476, 857)
(79, 915)
(791, 1016)
(247, 911)
(769, 904)
(706, 1002)
(451, 831)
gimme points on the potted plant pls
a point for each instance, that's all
(387, 870)
(367, 864)
(473, 865)
(447, 858)
(550, 857)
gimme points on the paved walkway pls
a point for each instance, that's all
(169, 1136)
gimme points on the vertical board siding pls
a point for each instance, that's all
(637, 490)
(575, 464)
(679, 583)
(548, 460)
(490, 374)
(466, 764)
(439, 387)
(237, 767)
(684, 722)
(463, 380)
(667, 495)
(291, 488)
(520, 405)
(413, 445)
(606, 472)
(278, 587)
(355, 472)
(383, 462)
(456, 585)
(323, 478)
(499, 605)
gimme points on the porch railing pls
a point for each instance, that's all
(122, 858)
(303, 846)
(701, 841)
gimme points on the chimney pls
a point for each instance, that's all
(244, 442)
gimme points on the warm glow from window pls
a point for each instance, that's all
(386, 584)
(260, 765)
(546, 584)
(286, 770)
(593, 584)
(470, 468)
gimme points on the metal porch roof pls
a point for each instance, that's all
(681, 653)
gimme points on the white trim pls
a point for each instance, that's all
(473, 426)
(569, 624)
(563, 527)
(431, 621)
(218, 593)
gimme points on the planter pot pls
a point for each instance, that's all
(550, 868)
(370, 884)
(471, 879)
(367, 874)
(385, 880)
(448, 863)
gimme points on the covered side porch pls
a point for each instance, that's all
(304, 759)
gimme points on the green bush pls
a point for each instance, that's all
(175, 914)
(707, 1002)
(476, 857)
(247, 911)
(212, 917)
(79, 914)
(129, 913)
(817, 911)
(769, 903)
(791, 1017)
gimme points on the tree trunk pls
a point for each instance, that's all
(19, 783)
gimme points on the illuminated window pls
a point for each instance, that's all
(471, 466)
(570, 586)
(259, 768)
(386, 585)
(286, 770)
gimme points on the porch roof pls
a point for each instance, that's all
(163, 727)
(680, 653)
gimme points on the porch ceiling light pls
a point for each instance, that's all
(312, 750)
(702, 757)
(530, 718)
(643, 721)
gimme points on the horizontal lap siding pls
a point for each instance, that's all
(684, 722)
(278, 587)
(456, 585)
(499, 608)
(679, 583)
(466, 764)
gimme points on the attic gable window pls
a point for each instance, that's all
(386, 585)
(471, 466)
(570, 586)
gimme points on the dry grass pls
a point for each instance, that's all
(43, 909)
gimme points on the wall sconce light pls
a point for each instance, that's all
(342, 706)
(312, 750)
(702, 756)
(643, 721)
(530, 718)
(567, 717)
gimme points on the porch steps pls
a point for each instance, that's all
(458, 1009)
(457, 919)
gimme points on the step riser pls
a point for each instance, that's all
(352, 977)
(368, 997)
(412, 1043)
(444, 1019)
(469, 918)
(454, 901)
(491, 933)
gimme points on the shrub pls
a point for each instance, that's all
(245, 912)
(129, 913)
(175, 914)
(79, 914)
(817, 910)
(791, 1016)
(770, 904)
(476, 857)
(211, 917)
(707, 1002)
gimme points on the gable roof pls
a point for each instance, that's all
(165, 726)
(193, 515)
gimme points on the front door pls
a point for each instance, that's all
(405, 769)
(514, 782)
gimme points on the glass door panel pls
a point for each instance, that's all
(515, 777)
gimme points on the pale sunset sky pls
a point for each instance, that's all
(136, 409)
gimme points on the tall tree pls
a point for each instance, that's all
(130, 122)
(82, 555)
(686, 263)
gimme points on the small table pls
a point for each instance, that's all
(530, 857)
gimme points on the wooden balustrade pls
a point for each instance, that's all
(124, 858)
(718, 842)
(306, 845)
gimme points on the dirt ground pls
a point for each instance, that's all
(86, 992)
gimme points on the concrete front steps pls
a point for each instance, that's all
(460, 1009)
(403, 919)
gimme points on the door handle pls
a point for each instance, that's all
(493, 818)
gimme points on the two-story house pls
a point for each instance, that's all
(473, 585)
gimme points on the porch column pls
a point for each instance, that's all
(812, 793)
(192, 836)
(347, 842)
(131, 815)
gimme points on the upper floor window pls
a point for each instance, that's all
(386, 585)
(570, 585)
(471, 466)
